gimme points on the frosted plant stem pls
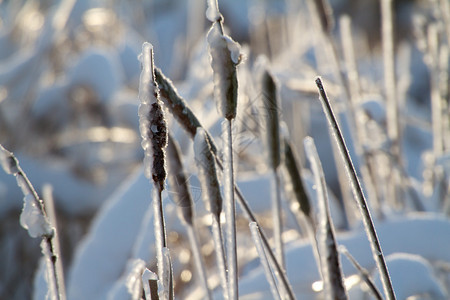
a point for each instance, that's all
(230, 212)
(59, 270)
(160, 235)
(330, 263)
(277, 220)
(44, 229)
(220, 255)
(256, 236)
(278, 271)
(198, 260)
(387, 24)
(358, 194)
(362, 272)
(187, 119)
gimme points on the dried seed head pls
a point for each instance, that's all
(207, 173)
(152, 123)
(179, 184)
(271, 121)
(297, 186)
(179, 108)
(225, 56)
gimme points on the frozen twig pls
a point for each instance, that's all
(256, 236)
(329, 256)
(34, 219)
(357, 193)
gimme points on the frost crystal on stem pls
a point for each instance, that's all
(225, 56)
(33, 220)
(152, 123)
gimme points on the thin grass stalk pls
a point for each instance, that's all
(183, 199)
(47, 192)
(357, 193)
(42, 226)
(330, 262)
(230, 212)
(445, 11)
(198, 261)
(169, 293)
(225, 57)
(212, 198)
(355, 97)
(190, 123)
(271, 125)
(436, 105)
(390, 84)
(362, 272)
(256, 236)
(153, 128)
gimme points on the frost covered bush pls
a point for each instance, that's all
(245, 212)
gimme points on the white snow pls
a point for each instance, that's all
(33, 220)
(412, 275)
(212, 12)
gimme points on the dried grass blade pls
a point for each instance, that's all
(357, 193)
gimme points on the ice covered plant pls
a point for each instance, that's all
(225, 56)
(212, 198)
(329, 256)
(190, 123)
(357, 193)
(34, 219)
(182, 197)
(153, 129)
(271, 124)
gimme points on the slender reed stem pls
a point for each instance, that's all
(330, 263)
(190, 123)
(230, 212)
(387, 24)
(160, 234)
(277, 219)
(362, 272)
(357, 193)
(47, 192)
(220, 255)
(256, 236)
(198, 261)
(39, 228)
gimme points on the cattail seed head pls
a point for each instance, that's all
(225, 56)
(152, 123)
(270, 120)
(178, 182)
(207, 173)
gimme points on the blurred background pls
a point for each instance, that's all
(69, 78)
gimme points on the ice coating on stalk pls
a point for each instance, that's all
(207, 173)
(152, 124)
(148, 277)
(33, 220)
(212, 12)
(225, 55)
(8, 161)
